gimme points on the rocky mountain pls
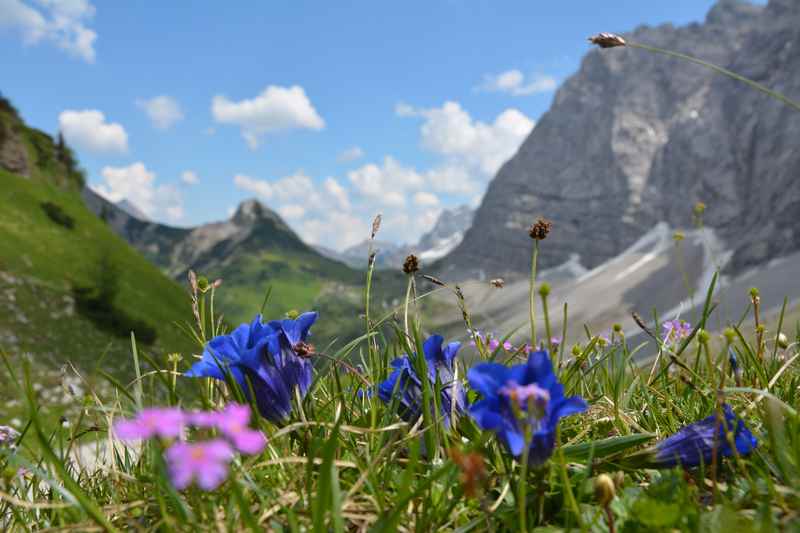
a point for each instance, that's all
(254, 252)
(636, 138)
(132, 210)
(446, 234)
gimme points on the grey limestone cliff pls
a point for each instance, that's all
(635, 138)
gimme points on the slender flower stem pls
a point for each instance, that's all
(408, 299)
(532, 292)
(548, 334)
(720, 70)
(523, 482)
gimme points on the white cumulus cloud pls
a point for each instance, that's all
(88, 130)
(163, 111)
(189, 177)
(514, 82)
(136, 184)
(386, 183)
(472, 150)
(275, 109)
(351, 154)
(321, 213)
(62, 22)
(426, 199)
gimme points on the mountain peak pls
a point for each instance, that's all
(251, 211)
(728, 12)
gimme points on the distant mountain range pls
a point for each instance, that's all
(254, 252)
(635, 138)
(446, 234)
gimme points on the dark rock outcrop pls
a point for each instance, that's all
(634, 138)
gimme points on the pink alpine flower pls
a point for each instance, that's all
(166, 422)
(206, 462)
(233, 423)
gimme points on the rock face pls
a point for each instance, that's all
(635, 138)
(13, 156)
(446, 234)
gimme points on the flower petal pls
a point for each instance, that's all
(432, 348)
(487, 378)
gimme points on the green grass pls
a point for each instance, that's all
(347, 462)
(42, 261)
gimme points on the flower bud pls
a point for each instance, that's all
(604, 490)
(576, 350)
(544, 290)
(202, 283)
(619, 479)
(754, 293)
(703, 336)
(783, 341)
(678, 236)
(729, 334)
(617, 328)
(699, 208)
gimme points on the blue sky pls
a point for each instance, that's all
(329, 112)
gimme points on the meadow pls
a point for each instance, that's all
(398, 429)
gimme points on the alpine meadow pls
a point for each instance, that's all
(572, 307)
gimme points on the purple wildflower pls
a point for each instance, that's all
(694, 444)
(494, 344)
(163, 422)
(527, 349)
(405, 385)
(507, 346)
(520, 398)
(675, 330)
(8, 436)
(207, 462)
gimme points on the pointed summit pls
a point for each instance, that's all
(251, 211)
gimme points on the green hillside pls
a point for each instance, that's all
(42, 263)
(70, 288)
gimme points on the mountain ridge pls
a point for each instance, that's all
(649, 130)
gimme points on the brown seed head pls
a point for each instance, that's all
(607, 40)
(473, 471)
(304, 349)
(540, 229)
(498, 283)
(376, 225)
(435, 281)
(411, 264)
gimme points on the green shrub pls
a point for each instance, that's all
(57, 215)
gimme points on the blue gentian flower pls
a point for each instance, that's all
(269, 357)
(525, 397)
(406, 386)
(694, 444)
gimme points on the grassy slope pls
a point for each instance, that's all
(42, 260)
